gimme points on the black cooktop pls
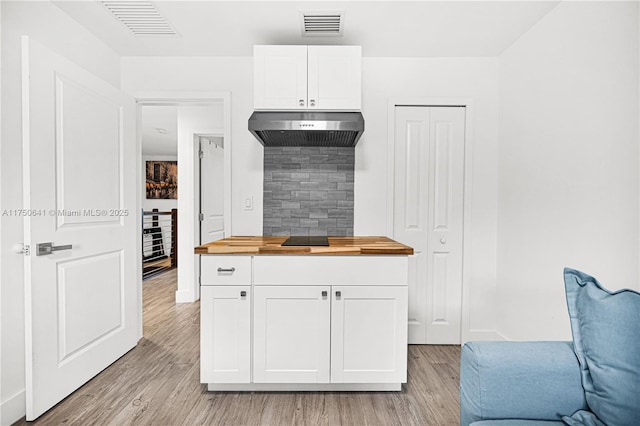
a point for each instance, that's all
(306, 241)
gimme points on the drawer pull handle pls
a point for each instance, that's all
(231, 270)
(324, 294)
(243, 294)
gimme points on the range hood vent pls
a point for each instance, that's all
(339, 129)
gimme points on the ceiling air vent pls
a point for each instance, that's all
(140, 17)
(322, 23)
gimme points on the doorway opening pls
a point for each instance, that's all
(159, 197)
(196, 116)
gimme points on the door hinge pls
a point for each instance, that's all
(26, 250)
(201, 154)
(201, 217)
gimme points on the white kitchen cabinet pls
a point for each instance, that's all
(304, 323)
(334, 77)
(291, 334)
(330, 334)
(369, 334)
(225, 336)
(320, 78)
(280, 77)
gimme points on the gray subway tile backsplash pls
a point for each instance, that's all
(308, 191)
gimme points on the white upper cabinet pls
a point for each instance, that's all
(334, 77)
(280, 77)
(307, 77)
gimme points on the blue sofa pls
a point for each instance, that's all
(519, 383)
(592, 381)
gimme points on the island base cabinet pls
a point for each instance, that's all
(369, 334)
(291, 334)
(330, 334)
(225, 336)
(304, 323)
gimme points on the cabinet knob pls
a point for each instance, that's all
(324, 294)
(443, 241)
(312, 102)
(338, 293)
(301, 102)
(243, 294)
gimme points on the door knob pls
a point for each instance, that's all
(312, 102)
(301, 102)
(443, 241)
(324, 294)
(338, 294)
(243, 294)
(48, 248)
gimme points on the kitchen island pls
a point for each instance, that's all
(301, 318)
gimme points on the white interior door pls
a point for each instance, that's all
(79, 185)
(211, 189)
(428, 215)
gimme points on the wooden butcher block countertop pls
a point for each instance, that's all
(337, 246)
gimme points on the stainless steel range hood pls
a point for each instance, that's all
(305, 128)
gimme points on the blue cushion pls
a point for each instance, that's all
(606, 337)
(517, 422)
(519, 380)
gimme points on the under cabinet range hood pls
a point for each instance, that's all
(306, 128)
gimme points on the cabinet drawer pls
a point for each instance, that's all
(225, 270)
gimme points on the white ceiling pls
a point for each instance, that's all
(164, 118)
(382, 28)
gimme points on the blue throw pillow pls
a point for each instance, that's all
(606, 339)
(582, 418)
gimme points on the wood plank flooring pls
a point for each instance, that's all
(157, 383)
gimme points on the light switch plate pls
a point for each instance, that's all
(248, 203)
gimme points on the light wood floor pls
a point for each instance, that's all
(157, 383)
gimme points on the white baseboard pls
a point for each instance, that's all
(485, 335)
(184, 296)
(13, 409)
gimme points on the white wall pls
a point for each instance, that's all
(568, 175)
(192, 121)
(45, 23)
(383, 78)
(166, 74)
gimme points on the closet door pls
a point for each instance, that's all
(428, 216)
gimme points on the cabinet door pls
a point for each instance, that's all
(334, 77)
(369, 334)
(225, 334)
(280, 77)
(291, 334)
